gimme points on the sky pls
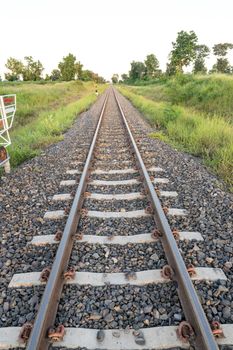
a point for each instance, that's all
(107, 35)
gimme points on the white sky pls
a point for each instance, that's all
(106, 35)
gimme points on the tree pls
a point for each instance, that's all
(78, 70)
(124, 77)
(15, 67)
(137, 70)
(171, 69)
(32, 70)
(115, 78)
(47, 77)
(222, 65)
(99, 79)
(222, 49)
(68, 67)
(152, 66)
(55, 74)
(202, 51)
(183, 52)
(87, 75)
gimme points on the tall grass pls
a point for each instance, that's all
(33, 98)
(44, 112)
(48, 128)
(210, 94)
(201, 135)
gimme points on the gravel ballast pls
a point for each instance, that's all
(27, 194)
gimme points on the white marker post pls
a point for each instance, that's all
(7, 113)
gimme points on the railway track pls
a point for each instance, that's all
(117, 204)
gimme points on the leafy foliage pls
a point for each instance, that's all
(55, 74)
(152, 66)
(221, 49)
(184, 50)
(15, 67)
(124, 77)
(32, 70)
(202, 51)
(222, 65)
(137, 71)
(115, 78)
(69, 68)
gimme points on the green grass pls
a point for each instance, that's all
(209, 137)
(209, 94)
(33, 98)
(49, 112)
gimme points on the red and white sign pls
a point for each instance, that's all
(7, 113)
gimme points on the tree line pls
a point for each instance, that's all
(30, 70)
(185, 51)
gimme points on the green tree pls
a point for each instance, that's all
(222, 65)
(183, 52)
(47, 77)
(68, 67)
(202, 51)
(55, 74)
(32, 70)
(124, 77)
(15, 67)
(87, 75)
(222, 49)
(152, 66)
(115, 78)
(137, 70)
(99, 79)
(78, 70)
(171, 69)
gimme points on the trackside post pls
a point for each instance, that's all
(7, 113)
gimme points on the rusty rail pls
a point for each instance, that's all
(47, 312)
(203, 338)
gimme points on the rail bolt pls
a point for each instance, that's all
(25, 332)
(156, 234)
(176, 234)
(58, 235)
(217, 330)
(185, 331)
(165, 209)
(84, 212)
(167, 272)
(87, 194)
(191, 270)
(56, 334)
(44, 276)
(79, 236)
(69, 274)
(149, 209)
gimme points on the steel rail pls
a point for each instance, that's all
(194, 313)
(48, 307)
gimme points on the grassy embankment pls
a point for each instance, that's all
(44, 112)
(194, 114)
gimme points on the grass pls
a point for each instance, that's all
(208, 94)
(33, 98)
(44, 112)
(209, 137)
